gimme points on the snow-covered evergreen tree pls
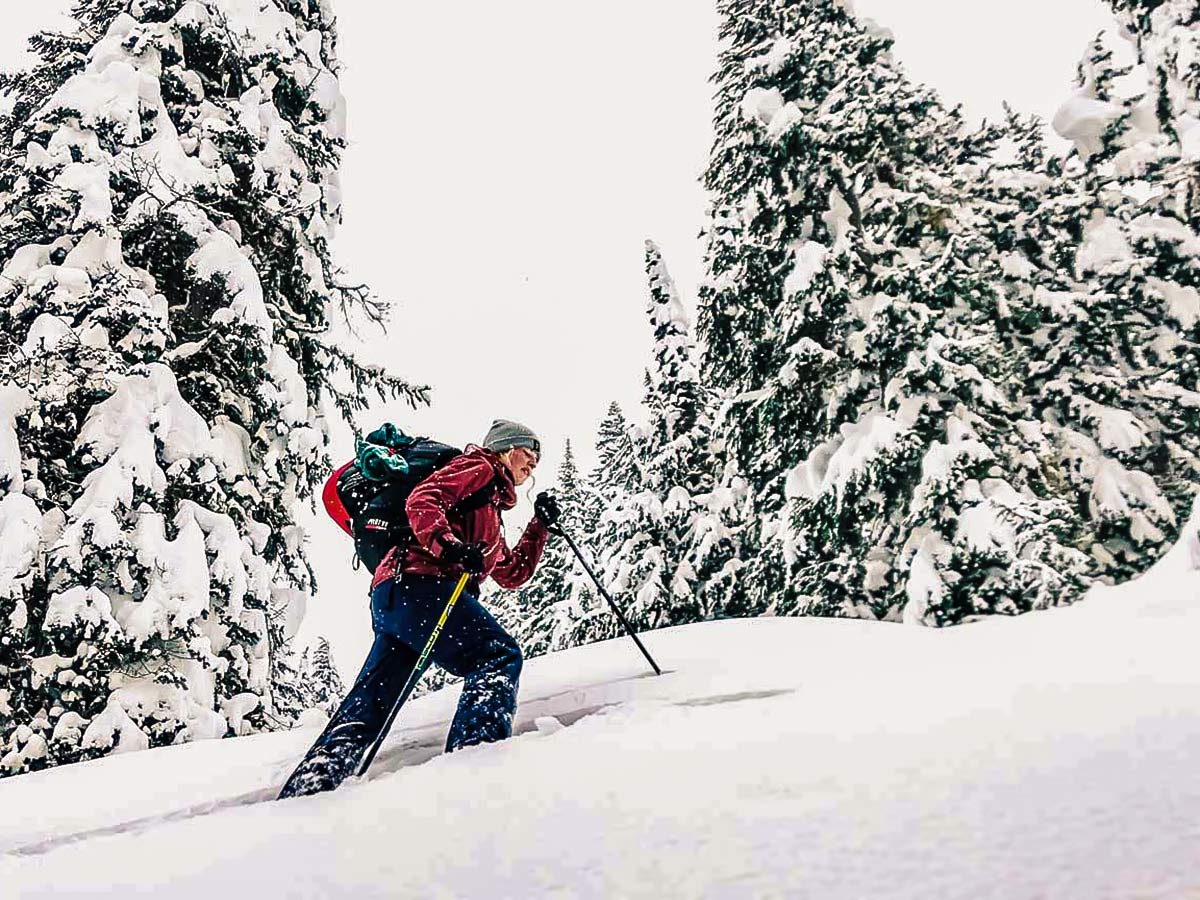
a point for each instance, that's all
(167, 192)
(1101, 288)
(326, 681)
(617, 460)
(851, 313)
(1166, 34)
(646, 549)
(722, 530)
(1166, 235)
(323, 687)
(542, 612)
(615, 473)
(600, 527)
(676, 400)
(703, 513)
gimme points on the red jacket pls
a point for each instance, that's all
(432, 518)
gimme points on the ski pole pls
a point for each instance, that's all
(415, 676)
(616, 609)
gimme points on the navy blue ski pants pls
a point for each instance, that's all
(473, 645)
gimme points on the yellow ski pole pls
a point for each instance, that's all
(416, 674)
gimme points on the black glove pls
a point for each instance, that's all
(469, 556)
(546, 509)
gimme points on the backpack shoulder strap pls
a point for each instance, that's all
(477, 500)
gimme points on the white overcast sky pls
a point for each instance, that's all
(507, 162)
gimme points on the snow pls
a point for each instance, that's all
(24, 262)
(20, 540)
(938, 461)
(833, 464)
(231, 447)
(109, 119)
(177, 582)
(787, 117)
(1117, 492)
(808, 351)
(79, 603)
(1085, 117)
(113, 728)
(288, 389)
(774, 59)
(146, 418)
(808, 261)
(95, 252)
(110, 89)
(237, 708)
(90, 181)
(776, 757)
(1083, 120)
(1104, 244)
(1189, 138)
(1170, 48)
(762, 104)
(14, 402)
(233, 558)
(46, 333)
(1063, 304)
(1166, 228)
(983, 525)
(924, 586)
(289, 605)
(260, 23)
(146, 409)
(1015, 265)
(838, 221)
(1117, 429)
(219, 254)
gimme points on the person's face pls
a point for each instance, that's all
(521, 462)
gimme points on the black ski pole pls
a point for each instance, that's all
(616, 609)
(413, 677)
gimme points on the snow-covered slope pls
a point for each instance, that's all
(1052, 755)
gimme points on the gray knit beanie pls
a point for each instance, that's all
(505, 435)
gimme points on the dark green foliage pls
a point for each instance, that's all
(851, 317)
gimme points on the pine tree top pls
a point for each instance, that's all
(568, 473)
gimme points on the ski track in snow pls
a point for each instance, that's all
(413, 750)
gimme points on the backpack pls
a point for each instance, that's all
(366, 496)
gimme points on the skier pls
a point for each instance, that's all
(410, 589)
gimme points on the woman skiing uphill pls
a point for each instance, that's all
(456, 524)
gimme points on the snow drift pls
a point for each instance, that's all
(1049, 755)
